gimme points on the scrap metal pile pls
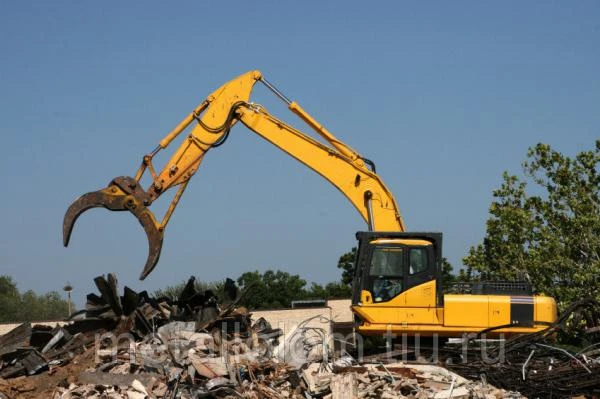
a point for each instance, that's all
(135, 346)
(534, 364)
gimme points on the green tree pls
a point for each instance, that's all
(333, 290)
(9, 299)
(29, 306)
(545, 226)
(448, 277)
(346, 263)
(53, 306)
(271, 289)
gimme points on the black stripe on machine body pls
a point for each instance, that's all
(521, 310)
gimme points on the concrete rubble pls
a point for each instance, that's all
(141, 347)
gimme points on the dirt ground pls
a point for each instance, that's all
(43, 386)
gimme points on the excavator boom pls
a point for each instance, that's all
(212, 121)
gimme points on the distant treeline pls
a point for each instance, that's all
(29, 306)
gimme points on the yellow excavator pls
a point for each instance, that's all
(397, 279)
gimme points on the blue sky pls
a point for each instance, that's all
(443, 96)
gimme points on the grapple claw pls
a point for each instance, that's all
(122, 194)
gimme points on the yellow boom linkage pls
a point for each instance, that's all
(405, 301)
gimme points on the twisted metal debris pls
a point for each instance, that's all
(141, 347)
(534, 365)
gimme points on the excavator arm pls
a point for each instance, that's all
(212, 121)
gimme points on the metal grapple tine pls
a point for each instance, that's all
(155, 241)
(122, 194)
(101, 198)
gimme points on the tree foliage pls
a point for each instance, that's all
(545, 226)
(173, 292)
(272, 289)
(29, 306)
(346, 263)
(277, 289)
(448, 277)
(333, 290)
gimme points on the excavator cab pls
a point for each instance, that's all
(390, 264)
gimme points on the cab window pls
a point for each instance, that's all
(386, 272)
(418, 260)
(387, 262)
